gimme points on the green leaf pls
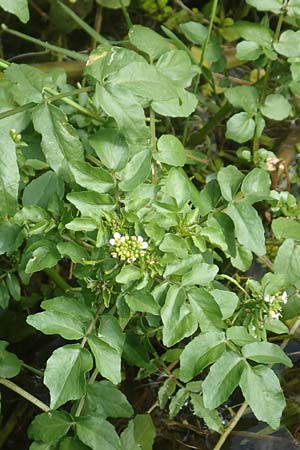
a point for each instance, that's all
(276, 326)
(166, 390)
(261, 389)
(72, 444)
(106, 59)
(267, 5)
(142, 301)
(276, 107)
(82, 224)
(9, 175)
(285, 228)
(142, 80)
(92, 178)
(195, 32)
(239, 335)
(91, 204)
(13, 285)
(65, 374)
(229, 179)
(170, 151)
(175, 310)
(226, 300)
(224, 376)
(248, 51)
(293, 8)
(57, 322)
(211, 418)
(42, 189)
(182, 106)
(60, 141)
(177, 65)
(28, 82)
(267, 353)
(287, 261)
(17, 7)
(256, 185)
(136, 171)
(9, 233)
(127, 112)
(75, 307)
(50, 427)
(111, 148)
(128, 273)
(108, 359)
(97, 433)
(106, 400)
(10, 365)
(243, 258)
(148, 41)
(200, 274)
(202, 351)
(178, 402)
(248, 227)
(4, 297)
(42, 258)
(172, 243)
(140, 433)
(74, 251)
(289, 44)
(255, 32)
(205, 309)
(244, 97)
(240, 127)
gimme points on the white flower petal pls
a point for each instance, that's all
(144, 245)
(112, 242)
(140, 239)
(117, 235)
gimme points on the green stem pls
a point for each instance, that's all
(51, 47)
(153, 144)
(231, 426)
(197, 79)
(58, 280)
(269, 65)
(70, 102)
(233, 281)
(28, 106)
(14, 387)
(17, 110)
(86, 27)
(126, 15)
(38, 372)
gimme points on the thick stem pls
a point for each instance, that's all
(231, 426)
(38, 372)
(29, 106)
(53, 48)
(197, 79)
(14, 387)
(58, 280)
(126, 15)
(70, 102)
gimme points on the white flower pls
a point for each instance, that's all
(117, 235)
(144, 245)
(284, 297)
(112, 241)
(140, 239)
(274, 315)
(267, 298)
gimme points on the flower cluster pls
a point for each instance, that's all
(128, 248)
(275, 302)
